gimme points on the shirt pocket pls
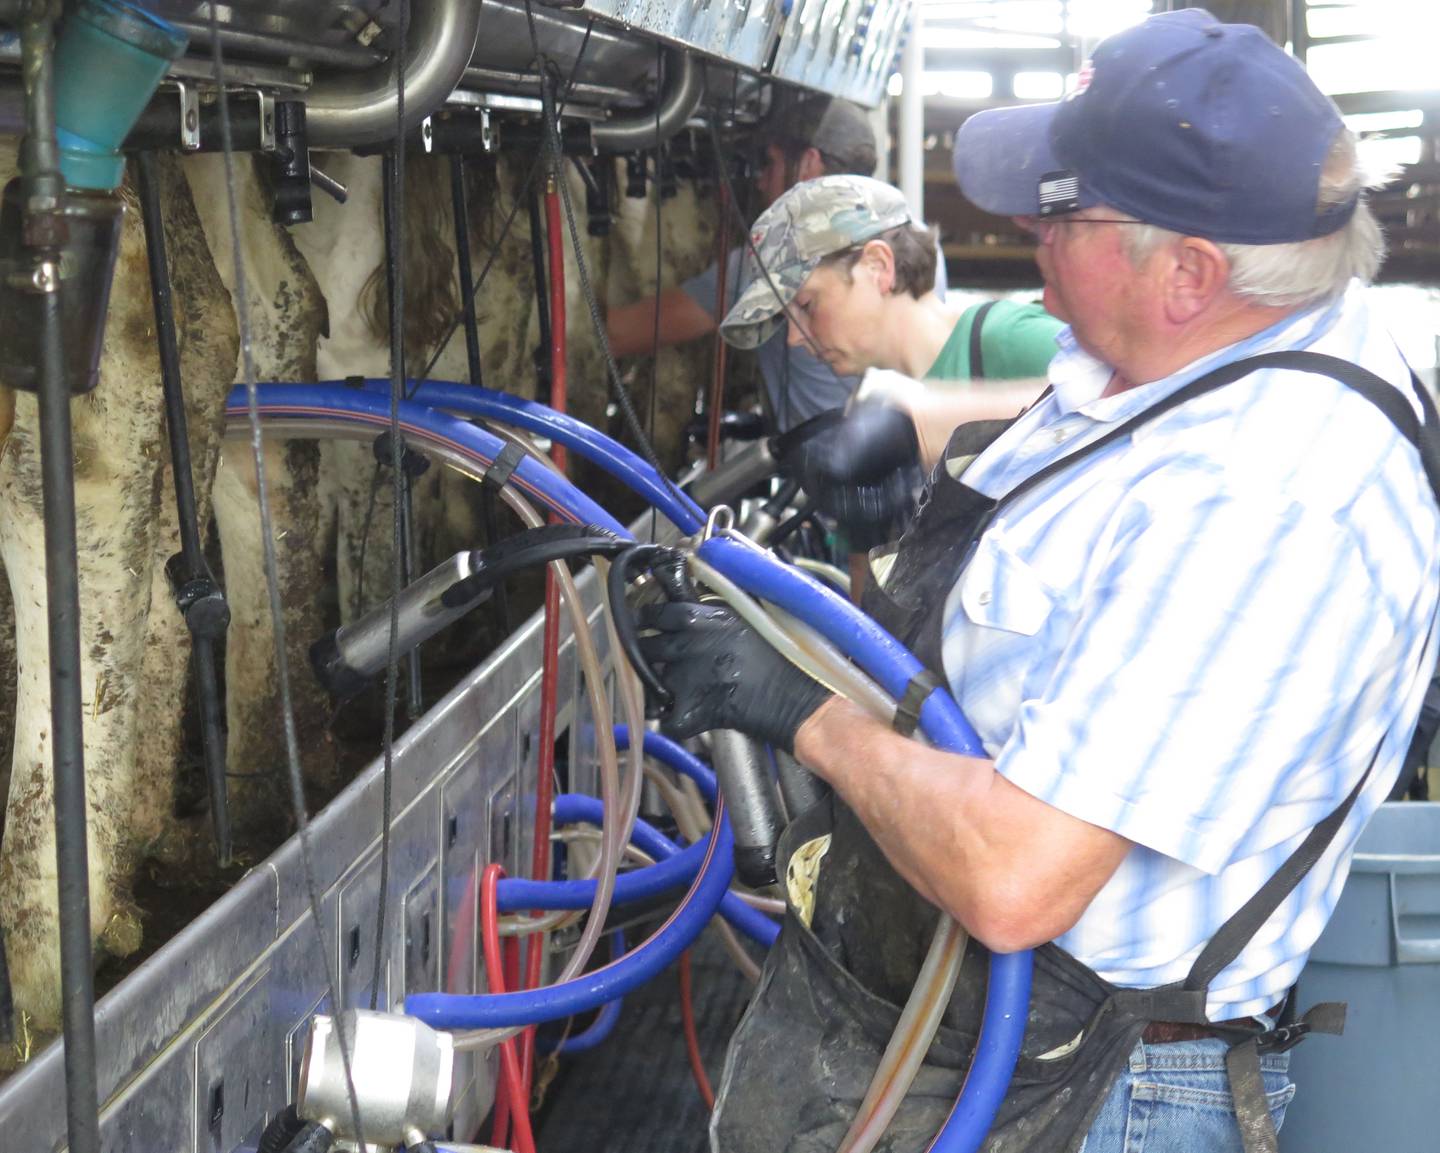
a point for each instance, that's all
(998, 590)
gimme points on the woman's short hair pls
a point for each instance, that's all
(915, 252)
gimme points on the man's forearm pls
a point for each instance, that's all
(631, 327)
(1011, 869)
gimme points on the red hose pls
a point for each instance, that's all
(510, 1079)
(692, 1038)
(550, 639)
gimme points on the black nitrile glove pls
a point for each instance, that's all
(861, 468)
(724, 675)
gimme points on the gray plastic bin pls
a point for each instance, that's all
(1377, 1089)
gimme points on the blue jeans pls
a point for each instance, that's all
(1175, 1098)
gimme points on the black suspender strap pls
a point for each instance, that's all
(1424, 436)
(977, 353)
(1185, 1001)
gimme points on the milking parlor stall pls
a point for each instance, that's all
(336, 811)
(303, 308)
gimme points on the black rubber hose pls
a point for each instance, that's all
(542, 297)
(346, 658)
(668, 566)
(531, 549)
(489, 499)
(786, 528)
(284, 1127)
(205, 621)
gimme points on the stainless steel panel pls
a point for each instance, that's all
(240, 1078)
(228, 1000)
(737, 31)
(845, 47)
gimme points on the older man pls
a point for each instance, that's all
(1188, 600)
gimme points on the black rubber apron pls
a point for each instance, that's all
(830, 993)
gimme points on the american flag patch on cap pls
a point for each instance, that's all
(1059, 192)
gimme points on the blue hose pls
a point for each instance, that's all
(505, 408)
(893, 667)
(673, 755)
(678, 868)
(599, 1030)
(515, 893)
(593, 989)
(887, 661)
(322, 402)
(1007, 996)
(884, 658)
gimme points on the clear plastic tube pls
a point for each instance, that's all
(921, 1016)
(826, 572)
(911, 1039)
(610, 852)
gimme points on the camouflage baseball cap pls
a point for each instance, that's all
(815, 219)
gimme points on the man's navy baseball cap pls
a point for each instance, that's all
(1204, 128)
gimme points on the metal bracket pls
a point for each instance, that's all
(189, 116)
(489, 138)
(267, 121)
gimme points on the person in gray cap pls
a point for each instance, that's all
(1188, 600)
(808, 138)
(839, 262)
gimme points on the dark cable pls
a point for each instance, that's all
(399, 490)
(467, 303)
(541, 355)
(365, 536)
(272, 569)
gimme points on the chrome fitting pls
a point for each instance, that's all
(402, 1071)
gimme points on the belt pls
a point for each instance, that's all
(1166, 1032)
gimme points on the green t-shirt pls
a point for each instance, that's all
(1016, 341)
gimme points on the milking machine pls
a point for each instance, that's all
(376, 1080)
(823, 630)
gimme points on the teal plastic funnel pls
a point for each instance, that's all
(108, 61)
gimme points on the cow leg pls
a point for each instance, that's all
(286, 316)
(117, 446)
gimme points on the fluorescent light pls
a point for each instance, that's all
(959, 85)
(1384, 121)
(1391, 152)
(1039, 85)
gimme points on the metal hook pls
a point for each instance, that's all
(720, 520)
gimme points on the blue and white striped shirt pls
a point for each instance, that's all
(1199, 636)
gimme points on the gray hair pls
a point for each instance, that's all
(1305, 271)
